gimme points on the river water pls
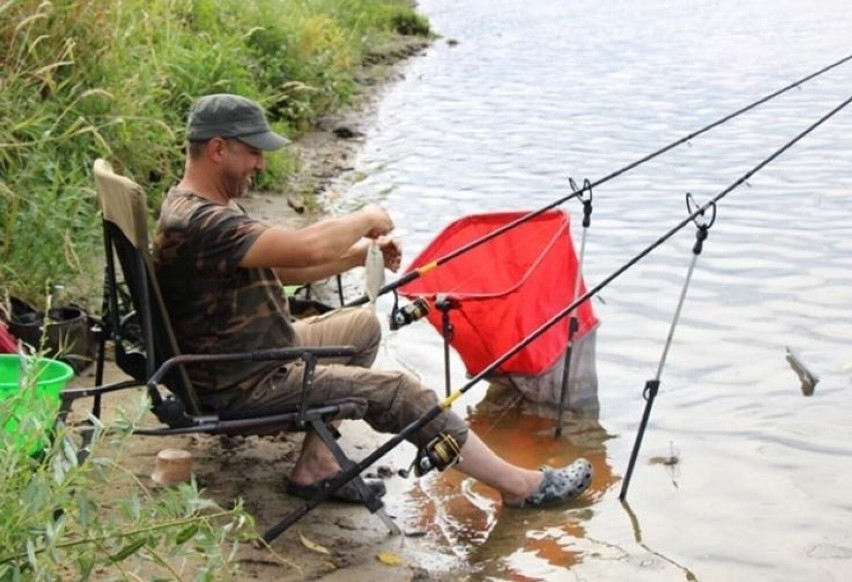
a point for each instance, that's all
(740, 476)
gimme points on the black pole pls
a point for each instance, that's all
(650, 393)
(574, 323)
(573, 326)
(703, 222)
(340, 289)
(445, 304)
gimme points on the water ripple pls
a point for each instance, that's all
(530, 97)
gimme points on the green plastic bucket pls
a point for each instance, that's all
(39, 402)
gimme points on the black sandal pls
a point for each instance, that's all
(348, 492)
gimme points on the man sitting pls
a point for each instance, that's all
(221, 274)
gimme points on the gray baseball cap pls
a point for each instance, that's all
(231, 116)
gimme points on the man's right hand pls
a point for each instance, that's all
(379, 221)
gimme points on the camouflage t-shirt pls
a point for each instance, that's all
(214, 304)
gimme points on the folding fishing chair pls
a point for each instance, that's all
(136, 322)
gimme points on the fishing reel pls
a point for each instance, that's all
(401, 316)
(441, 452)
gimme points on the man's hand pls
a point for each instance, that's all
(379, 220)
(392, 252)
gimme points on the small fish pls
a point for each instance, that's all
(374, 273)
(806, 377)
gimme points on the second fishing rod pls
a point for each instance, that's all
(347, 474)
(588, 186)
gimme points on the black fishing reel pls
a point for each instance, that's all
(441, 452)
(401, 316)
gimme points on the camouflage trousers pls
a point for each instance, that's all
(394, 398)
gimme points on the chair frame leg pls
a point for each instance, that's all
(370, 499)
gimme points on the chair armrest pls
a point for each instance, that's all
(70, 394)
(273, 354)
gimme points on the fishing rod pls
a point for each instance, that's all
(417, 273)
(350, 472)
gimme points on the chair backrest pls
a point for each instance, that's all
(124, 208)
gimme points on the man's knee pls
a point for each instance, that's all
(411, 400)
(367, 336)
(370, 326)
(350, 326)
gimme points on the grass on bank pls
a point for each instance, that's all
(82, 79)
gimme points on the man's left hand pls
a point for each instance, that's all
(392, 252)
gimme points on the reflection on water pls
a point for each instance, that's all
(502, 543)
(470, 518)
(637, 536)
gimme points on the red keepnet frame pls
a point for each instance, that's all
(505, 289)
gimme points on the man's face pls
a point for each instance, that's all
(240, 162)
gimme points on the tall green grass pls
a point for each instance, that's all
(81, 79)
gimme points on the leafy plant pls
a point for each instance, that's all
(59, 522)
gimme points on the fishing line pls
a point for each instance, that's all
(412, 275)
(348, 473)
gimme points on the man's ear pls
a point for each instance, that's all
(215, 149)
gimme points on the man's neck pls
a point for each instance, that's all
(202, 188)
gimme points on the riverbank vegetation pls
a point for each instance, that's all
(67, 520)
(82, 79)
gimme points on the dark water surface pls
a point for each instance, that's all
(536, 92)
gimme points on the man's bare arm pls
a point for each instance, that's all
(354, 257)
(318, 245)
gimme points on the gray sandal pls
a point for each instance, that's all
(560, 485)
